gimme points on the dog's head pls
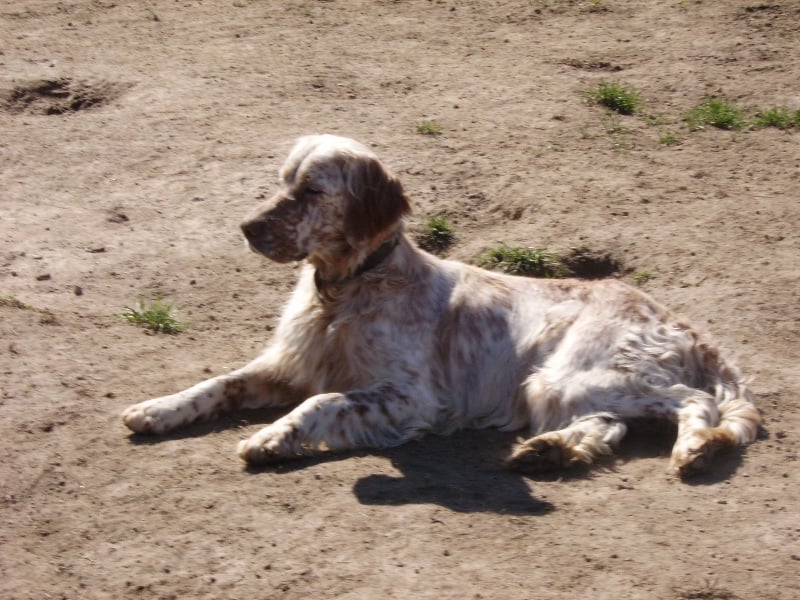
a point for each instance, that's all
(336, 200)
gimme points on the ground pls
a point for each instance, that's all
(134, 136)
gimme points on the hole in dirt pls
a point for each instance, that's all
(586, 263)
(59, 96)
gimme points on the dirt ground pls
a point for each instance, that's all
(134, 136)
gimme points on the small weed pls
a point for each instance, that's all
(669, 138)
(158, 316)
(709, 591)
(429, 128)
(655, 119)
(438, 235)
(47, 317)
(778, 117)
(12, 302)
(531, 262)
(621, 145)
(616, 97)
(717, 113)
(613, 125)
(641, 277)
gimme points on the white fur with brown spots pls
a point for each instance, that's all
(382, 342)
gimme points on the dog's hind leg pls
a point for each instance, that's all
(582, 442)
(706, 426)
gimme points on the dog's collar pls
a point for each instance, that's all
(372, 261)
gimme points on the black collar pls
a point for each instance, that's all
(372, 261)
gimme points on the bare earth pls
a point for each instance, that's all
(127, 175)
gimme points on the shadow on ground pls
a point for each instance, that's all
(464, 471)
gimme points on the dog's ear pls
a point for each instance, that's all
(375, 199)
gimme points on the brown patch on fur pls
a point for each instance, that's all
(387, 415)
(232, 395)
(375, 199)
(635, 310)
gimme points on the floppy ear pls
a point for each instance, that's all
(374, 199)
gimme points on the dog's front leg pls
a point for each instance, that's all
(378, 417)
(254, 385)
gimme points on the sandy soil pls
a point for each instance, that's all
(126, 176)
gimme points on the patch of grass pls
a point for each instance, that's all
(12, 302)
(438, 235)
(429, 128)
(715, 112)
(616, 97)
(613, 126)
(641, 277)
(48, 318)
(709, 591)
(531, 262)
(158, 316)
(781, 118)
(669, 138)
(655, 119)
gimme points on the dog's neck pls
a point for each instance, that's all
(327, 287)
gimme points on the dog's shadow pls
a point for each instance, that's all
(463, 472)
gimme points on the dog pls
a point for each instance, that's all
(382, 342)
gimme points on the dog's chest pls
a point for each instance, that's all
(352, 348)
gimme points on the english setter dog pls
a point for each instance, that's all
(382, 342)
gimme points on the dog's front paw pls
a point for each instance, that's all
(148, 417)
(273, 444)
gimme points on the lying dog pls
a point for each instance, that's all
(382, 342)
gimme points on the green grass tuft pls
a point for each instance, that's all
(641, 277)
(429, 128)
(781, 118)
(47, 317)
(717, 113)
(616, 97)
(531, 262)
(12, 302)
(438, 235)
(158, 316)
(669, 138)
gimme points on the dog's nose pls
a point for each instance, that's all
(252, 229)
